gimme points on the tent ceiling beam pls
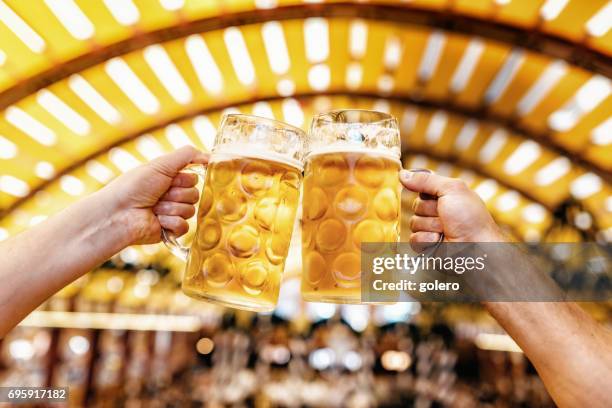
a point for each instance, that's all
(577, 54)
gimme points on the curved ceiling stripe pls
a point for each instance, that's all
(62, 53)
(537, 178)
(500, 77)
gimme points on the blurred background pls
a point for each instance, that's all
(513, 96)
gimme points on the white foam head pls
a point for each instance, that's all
(238, 150)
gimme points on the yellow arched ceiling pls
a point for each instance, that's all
(515, 92)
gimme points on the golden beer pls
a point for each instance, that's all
(351, 196)
(246, 214)
(245, 221)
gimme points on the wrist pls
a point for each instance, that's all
(113, 219)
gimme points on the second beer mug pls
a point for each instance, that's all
(246, 214)
(351, 195)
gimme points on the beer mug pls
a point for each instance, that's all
(246, 214)
(351, 195)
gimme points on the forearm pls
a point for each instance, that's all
(38, 262)
(572, 352)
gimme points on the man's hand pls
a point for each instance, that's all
(157, 195)
(454, 209)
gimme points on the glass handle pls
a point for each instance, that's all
(169, 239)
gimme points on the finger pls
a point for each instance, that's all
(177, 225)
(170, 164)
(185, 180)
(425, 208)
(182, 195)
(429, 224)
(429, 183)
(421, 241)
(171, 208)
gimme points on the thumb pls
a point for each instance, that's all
(170, 164)
(420, 181)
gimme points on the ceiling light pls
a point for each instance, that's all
(2, 58)
(496, 342)
(206, 131)
(602, 134)
(381, 105)
(587, 98)
(292, 112)
(585, 186)
(44, 170)
(8, 149)
(239, 55)
(319, 77)
(409, 118)
(21, 29)
(354, 72)
(534, 213)
(466, 135)
(493, 146)
(72, 18)
(431, 56)
(276, 47)
(112, 321)
(285, 87)
(544, 84)
(149, 147)
(14, 186)
(466, 66)
(436, 127)
(72, 185)
(93, 99)
(316, 35)
(393, 53)
(552, 8)
(99, 171)
(30, 126)
(177, 136)
(553, 171)
(204, 65)
(265, 4)
(358, 39)
(132, 85)
(123, 159)
(124, 11)
(263, 110)
(63, 113)
(504, 76)
(486, 189)
(601, 22)
(507, 201)
(79, 345)
(385, 83)
(172, 5)
(165, 70)
(524, 155)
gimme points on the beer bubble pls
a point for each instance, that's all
(256, 176)
(370, 171)
(346, 269)
(209, 234)
(315, 267)
(330, 235)
(206, 202)
(368, 231)
(253, 276)
(218, 270)
(222, 173)
(244, 241)
(386, 204)
(315, 204)
(332, 169)
(265, 212)
(351, 202)
(231, 205)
